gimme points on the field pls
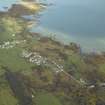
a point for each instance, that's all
(36, 70)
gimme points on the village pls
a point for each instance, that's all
(8, 44)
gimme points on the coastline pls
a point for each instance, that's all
(38, 70)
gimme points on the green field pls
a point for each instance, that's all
(47, 99)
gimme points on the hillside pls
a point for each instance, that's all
(36, 70)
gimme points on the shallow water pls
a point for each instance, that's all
(5, 4)
(80, 21)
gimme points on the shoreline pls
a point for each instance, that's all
(67, 39)
(31, 5)
(36, 70)
(15, 10)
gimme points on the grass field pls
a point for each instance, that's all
(47, 99)
(13, 60)
(6, 97)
